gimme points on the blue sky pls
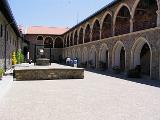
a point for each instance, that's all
(57, 13)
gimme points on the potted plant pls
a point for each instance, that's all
(116, 69)
(1, 73)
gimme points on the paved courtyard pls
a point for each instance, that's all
(97, 97)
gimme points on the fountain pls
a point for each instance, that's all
(41, 60)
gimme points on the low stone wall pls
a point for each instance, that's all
(48, 74)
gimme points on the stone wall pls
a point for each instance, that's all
(13, 43)
(151, 36)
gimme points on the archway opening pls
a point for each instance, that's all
(85, 57)
(103, 63)
(75, 38)
(96, 31)
(81, 36)
(87, 34)
(122, 59)
(145, 15)
(145, 59)
(71, 39)
(39, 38)
(119, 55)
(58, 43)
(107, 27)
(122, 23)
(48, 43)
(67, 41)
(93, 59)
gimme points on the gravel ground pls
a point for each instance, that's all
(97, 97)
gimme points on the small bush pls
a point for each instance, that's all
(133, 73)
(19, 57)
(1, 72)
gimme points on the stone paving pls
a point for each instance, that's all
(97, 97)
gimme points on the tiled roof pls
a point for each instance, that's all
(46, 30)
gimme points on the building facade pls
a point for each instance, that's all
(10, 37)
(123, 34)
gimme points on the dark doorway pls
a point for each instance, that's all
(145, 59)
(122, 59)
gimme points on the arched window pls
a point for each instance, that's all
(58, 43)
(81, 36)
(87, 34)
(122, 23)
(39, 38)
(145, 15)
(96, 31)
(48, 43)
(107, 27)
(75, 38)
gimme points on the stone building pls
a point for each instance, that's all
(45, 37)
(10, 37)
(124, 34)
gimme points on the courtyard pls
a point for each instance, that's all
(96, 97)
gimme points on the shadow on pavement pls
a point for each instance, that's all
(146, 81)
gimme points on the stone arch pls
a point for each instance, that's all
(104, 54)
(106, 25)
(135, 6)
(58, 43)
(67, 40)
(121, 19)
(136, 54)
(145, 14)
(87, 35)
(80, 36)
(48, 42)
(119, 56)
(104, 16)
(93, 56)
(96, 30)
(71, 39)
(85, 55)
(75, 37)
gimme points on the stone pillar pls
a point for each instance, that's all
(155, 65)
(158, 18)
(91, 36)
(131, 25)
(100, 33)
(113, 34)
(97, 60)
(83, 36)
